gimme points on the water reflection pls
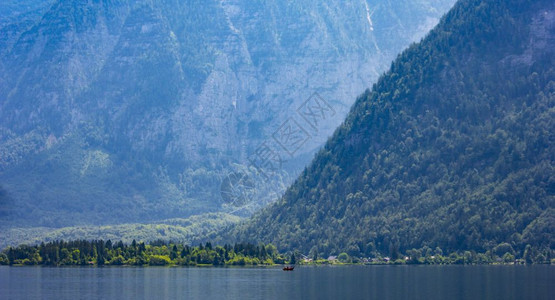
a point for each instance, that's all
(356, 282)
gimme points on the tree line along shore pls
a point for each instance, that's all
(161, 253)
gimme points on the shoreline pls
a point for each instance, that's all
(274, 266)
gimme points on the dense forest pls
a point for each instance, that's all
(163, 253)
(453, 148)
(185, 230)
(157, 253)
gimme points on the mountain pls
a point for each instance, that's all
(131, 111)
(452, 149)
(15, 11)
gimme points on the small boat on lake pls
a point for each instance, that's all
(288, 268)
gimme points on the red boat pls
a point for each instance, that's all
(288, 268)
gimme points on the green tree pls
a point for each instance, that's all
(4, 259)
(159, 260)
(528, 255)
(343, 257)
(117, 260)
(508, 257)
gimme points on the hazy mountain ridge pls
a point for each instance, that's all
(128, 111)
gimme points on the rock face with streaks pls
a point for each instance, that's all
(133, 111)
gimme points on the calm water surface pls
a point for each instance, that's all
(345, 282)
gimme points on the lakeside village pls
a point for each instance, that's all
(160, 253)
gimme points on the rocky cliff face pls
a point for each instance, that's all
(120, 111)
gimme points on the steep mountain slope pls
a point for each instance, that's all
(13, 11)
(134, 111)
(452, 148)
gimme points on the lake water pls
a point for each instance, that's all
(328, 282)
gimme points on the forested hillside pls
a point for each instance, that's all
(182, 230)
(452, 149)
